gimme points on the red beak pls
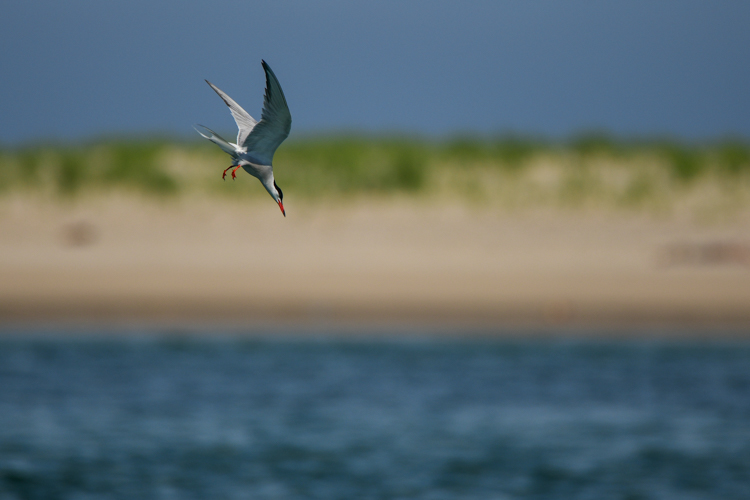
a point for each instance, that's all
(281, 206)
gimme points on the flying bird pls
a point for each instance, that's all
(257, 141)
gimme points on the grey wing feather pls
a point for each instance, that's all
(216, 139)
(274, 125)
(245, 122)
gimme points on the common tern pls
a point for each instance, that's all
(257, 141)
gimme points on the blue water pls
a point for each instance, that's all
(257, 418)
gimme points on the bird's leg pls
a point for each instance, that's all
(224, 175)
(233, 171)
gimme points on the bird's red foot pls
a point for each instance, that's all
(234, 176)
(224, 175)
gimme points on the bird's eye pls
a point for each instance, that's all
(281, 194)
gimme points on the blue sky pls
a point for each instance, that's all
(82, 69)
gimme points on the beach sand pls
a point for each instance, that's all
(124, 260)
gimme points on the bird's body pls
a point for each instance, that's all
(257, 141)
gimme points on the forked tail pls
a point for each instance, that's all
(216, 139)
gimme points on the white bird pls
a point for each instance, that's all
(257, 141)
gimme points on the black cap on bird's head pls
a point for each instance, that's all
(281, 198)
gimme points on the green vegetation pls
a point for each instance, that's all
(134, 165)
(512, 171)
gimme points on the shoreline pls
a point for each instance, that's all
(126, 261)
(101, 305)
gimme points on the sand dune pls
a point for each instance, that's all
(125, 259)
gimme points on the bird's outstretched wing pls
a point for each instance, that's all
(216, 139)
(274, 125)
(245, 122)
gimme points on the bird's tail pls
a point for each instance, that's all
(216, 139)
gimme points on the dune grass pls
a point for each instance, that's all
(512, 171)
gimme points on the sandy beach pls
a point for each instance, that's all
(125, 260)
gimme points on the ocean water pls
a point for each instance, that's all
(180, 417)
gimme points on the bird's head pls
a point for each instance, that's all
(279, 197)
